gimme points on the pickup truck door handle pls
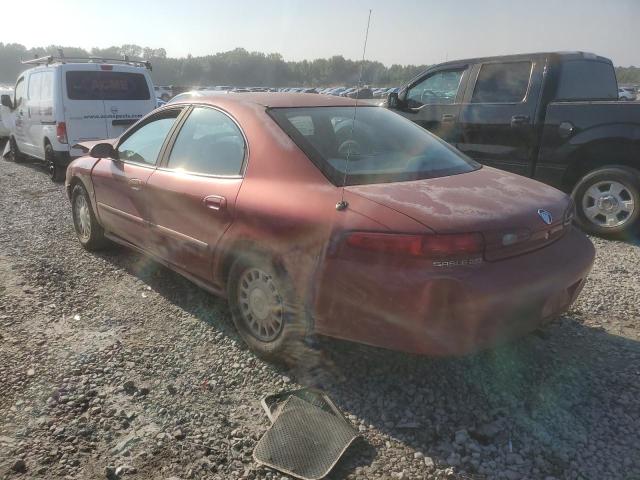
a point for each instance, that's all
(448, 118)
(518, 120)
(215, 202)
(135, 183)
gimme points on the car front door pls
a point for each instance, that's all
(498, 116)
(433, 101)
(120, 184)
(193, 193)
(20, 115)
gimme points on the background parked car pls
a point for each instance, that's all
(5, 116)
(165, 92)
(627, 93)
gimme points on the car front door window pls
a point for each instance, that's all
(143, 146)
(441, 88)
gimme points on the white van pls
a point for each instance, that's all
(62, 101)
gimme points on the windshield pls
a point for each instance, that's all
(379, 147)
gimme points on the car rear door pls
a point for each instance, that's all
(128, 96)
(84, 110)
(194, 190)
(120, 184)
(498, 117)
(433, 101)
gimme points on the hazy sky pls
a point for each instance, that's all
(402, 31)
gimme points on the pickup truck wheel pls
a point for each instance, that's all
(265, 310)
(56, 171)
(608, 201)
(89, 232)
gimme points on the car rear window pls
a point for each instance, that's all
(105, 85)
(380, 146)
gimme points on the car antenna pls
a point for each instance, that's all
(343, 204)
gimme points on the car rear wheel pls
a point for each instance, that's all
(608, 201)
(265, 310)
(89, 232)
(56, 171)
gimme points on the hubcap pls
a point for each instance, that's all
(82, 217)
(608, 204)
(261, 305)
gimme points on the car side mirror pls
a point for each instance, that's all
(103, 150)
(6, 101)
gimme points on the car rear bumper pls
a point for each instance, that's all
(454, 311)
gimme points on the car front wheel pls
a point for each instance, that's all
(265, 310)
(88, 230)
(608, 201)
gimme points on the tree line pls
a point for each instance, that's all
(237, 67)
(240, 67)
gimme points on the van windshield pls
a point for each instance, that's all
(105, 85)
(381, 146)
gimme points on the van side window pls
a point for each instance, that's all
(46, 92)
(502, 83)
(209, 143)
(19, 93)
(35, 84)
(441, 88)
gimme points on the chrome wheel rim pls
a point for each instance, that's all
(82, 217)
(608, 204)
(261, 305)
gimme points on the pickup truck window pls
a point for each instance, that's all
(587, 80)
(440, 88)
(502, 83)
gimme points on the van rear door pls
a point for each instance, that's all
(84, 106)
(128, 96)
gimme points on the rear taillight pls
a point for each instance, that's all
(427, 246)
(61, 132)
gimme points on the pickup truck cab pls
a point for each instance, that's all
(554, 117)
(61, 101)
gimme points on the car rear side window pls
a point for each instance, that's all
(587, 80)
(209, 143)
(502, 83)
(106, 85)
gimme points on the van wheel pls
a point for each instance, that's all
(608, 201)
(16, 156)
(56, 171)
(265, 310)
(89, 232)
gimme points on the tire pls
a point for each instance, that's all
(608, 202)
(89, 232)
(16, 155)
(57, 172)
(259, 292)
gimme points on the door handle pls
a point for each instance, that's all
(518, 120)
(215, 202)
(135, 183)
(448, 118)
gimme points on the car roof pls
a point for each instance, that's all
(526, 56)
(273, 99)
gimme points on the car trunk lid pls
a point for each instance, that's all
(506, 209)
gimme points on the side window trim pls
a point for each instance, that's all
(462, 85)
(151, 118)
(474, 84)
(166, 150)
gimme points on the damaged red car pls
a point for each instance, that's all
(318, 215)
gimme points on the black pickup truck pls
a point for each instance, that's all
(551, 116)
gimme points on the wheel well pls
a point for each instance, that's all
(242, 248)
(598, 155)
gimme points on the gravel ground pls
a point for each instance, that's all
(114, 367)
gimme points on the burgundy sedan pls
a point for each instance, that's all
(312, 215)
